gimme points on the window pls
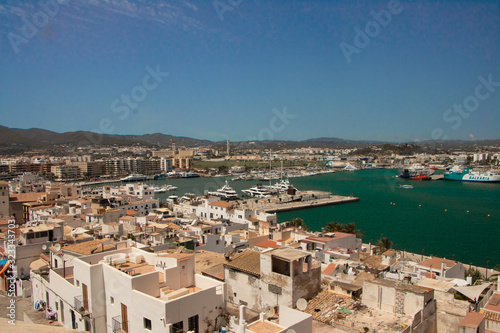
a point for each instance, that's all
(111, 300)
(193, 324)
(178, 327)
(147, 323)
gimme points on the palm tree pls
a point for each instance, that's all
(349, 228)
(298, 222)
(383, 244)
(332, 227)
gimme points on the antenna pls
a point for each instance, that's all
(301, 304)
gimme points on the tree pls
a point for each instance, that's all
(332, 227)
(383, 244)
(349, 228)
(299, 223)
(474, 273)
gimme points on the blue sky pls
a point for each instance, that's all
(235, 70)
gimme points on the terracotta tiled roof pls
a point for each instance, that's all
(86, 248)
(26, 197)
(247, 262)
(330, 269)
(222, 204)
(216, 272)
(491, 315)
(268, 243)
(435, 263)
(132, 212)
(44, 257)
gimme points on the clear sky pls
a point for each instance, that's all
(247, 69)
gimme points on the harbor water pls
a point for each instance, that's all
(459, 220)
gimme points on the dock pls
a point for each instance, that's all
(437, 177)
(289, 206)
(308, 199)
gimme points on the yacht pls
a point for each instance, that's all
(258, 191)
(350, 167)
(134, 177)
(190, 175)
(283, 186)
(225, 192)
(163, 189)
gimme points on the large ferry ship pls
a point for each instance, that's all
(467, 175)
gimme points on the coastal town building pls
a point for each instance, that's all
(4, 199)
(441, 267)
(278, 277)
(130, 290)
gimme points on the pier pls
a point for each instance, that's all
(303, 200)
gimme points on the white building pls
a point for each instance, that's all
(441, 267)
(338, 245)
(130, 290)
(274, 278)
(212, 208)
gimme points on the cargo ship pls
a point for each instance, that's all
(467, 175)
(416, 172)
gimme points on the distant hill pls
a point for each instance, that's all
(16, 140)
(166, 140)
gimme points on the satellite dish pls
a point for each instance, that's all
(291, 330)
(57, 247)
(270, 312)
(44, 247)
(301, 304)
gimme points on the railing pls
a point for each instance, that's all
(116, 324)
(79, 304)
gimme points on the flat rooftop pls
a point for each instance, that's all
(288, 254)
(399, 285)
(264, 327)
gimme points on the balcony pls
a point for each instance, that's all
(79, 305)
(116, 324)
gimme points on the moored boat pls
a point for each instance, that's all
(458, 173)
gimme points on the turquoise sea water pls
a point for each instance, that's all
(431, 216)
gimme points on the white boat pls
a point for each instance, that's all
(133, 178)
(190, 175)
(258, 191)
(406, 186)
(225, 192)
(282, 186)
(163, 189)
(350, 167)
(158, 189)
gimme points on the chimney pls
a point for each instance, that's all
(442, 268)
